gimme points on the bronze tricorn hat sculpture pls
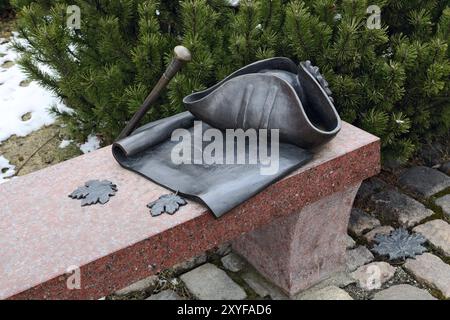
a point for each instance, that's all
(271, 94)
(268, 94)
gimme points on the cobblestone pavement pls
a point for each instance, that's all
(417, 198)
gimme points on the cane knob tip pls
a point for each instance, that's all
(182, 53)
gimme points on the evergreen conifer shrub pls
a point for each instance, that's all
(392, 81)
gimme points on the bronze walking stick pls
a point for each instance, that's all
(181, 57)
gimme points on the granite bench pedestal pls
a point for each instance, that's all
(293, 232)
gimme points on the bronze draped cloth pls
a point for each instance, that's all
(269, 94)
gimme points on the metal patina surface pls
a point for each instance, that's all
(168, 203)
(94, 191)
(400, 245)
(269, 94)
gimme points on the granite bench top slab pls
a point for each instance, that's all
(43, 232)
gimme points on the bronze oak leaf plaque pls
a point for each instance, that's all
(168, 203)
(94, 191)
(399, 245)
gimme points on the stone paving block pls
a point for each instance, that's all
(361, 221)
(327, 293)
(233, 262)
(349, 242)
(437, 232)
(358, 257)
(165, 295)
(188, 264)
(370, 236)
(262, 287)
(256, 283)
(369, 187)
(394, 206)
(445, 168)
(431, 270)
(444, 203)
(403, 292)
(208, 282)
(339, 279)
(373, 275)
(138, 286)
(424, 181)
(223, 249)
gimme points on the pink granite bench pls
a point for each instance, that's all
(293, 232)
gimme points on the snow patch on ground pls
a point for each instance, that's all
(65, 144)
(16, 100)
(233, 3)
(7, 170)
(92, 144)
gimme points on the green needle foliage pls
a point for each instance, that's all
(392, 82)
